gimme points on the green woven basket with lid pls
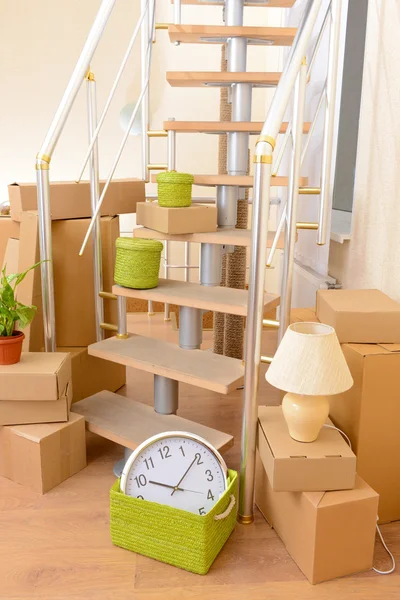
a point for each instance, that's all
(174, 189)
(137, 263)
(171, 535)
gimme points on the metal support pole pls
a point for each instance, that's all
(171, 160)
(145, 67)
(211, 265)
(119, 466)
(227, 197)
(330, 104)
(187, 261)
(190, 328)
(293, 196)
(167, 312)
(122, 324)
(94, 198)
(252, 353)
(166, 395)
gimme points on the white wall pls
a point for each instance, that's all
(372, 258)
(39, 45)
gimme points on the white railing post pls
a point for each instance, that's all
(330, 104)
(292, 202)
(94, 197)
(145, 67)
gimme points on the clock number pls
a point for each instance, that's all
(198, 456)
(202, 511)
(141, 481)
(149, 462)
(140, 497)
(181, 449)
(164, 452)
(210, 496)
(209, 475)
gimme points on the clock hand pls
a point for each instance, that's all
(172, 487)
(184, 475)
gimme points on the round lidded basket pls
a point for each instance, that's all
(174, 189)
(137, 263)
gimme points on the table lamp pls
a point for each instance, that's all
(309, 364)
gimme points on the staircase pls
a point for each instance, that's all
(124, 420)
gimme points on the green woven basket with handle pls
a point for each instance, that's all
(137, 263)
(171, 535)
(174, 189)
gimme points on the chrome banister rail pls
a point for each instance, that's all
(261, 196)
(42, 167)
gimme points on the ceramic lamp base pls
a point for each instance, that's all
(305, 415)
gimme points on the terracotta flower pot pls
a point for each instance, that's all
(11, 348)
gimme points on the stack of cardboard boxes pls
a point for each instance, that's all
(41, 442)
(310, 493)
(73, 275)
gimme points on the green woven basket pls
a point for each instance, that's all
(174, 189)
(171, 535)
(137, 263)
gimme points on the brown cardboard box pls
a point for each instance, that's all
(360, 316)
(73, 279)
(8, 229)
(28, 412)
(38, 376)
(192, 219)
(328, 534)
(91, 375)
(326, 464)
(306, 315)
(71, 200)
(370, 415)
(40, 457)
(10, 261)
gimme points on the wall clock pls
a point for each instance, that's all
(177, 469)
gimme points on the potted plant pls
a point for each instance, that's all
(13, 314)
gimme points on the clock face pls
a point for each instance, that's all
(178, 470)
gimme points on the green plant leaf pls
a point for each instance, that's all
(2, 328)
(25, 315)
(7, 296)
(19, 277)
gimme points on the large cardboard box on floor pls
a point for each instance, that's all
(369, 413)
(41, 457)
(91, 375)
(73, 279)
(8, 229)
(71, 200)
(326, 464)
(328, 534)
(360, 316)
(191, 219)
(38, 389)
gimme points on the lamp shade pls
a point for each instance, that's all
(310, 361)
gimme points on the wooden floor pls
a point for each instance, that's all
(57, 546)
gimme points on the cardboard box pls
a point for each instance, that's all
(36, 411)
(10, 261)
(71, 200)
(41, 457)
(73, 280)
(328, 534)
(360, 316)
(192, 219)
(326, 464)
(305, 315)
(91, 375)
(8, 229)
(38, 376)
(370, 415)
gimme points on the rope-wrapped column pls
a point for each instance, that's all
(225, 114)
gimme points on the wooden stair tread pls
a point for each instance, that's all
(184, 293)
(130, 423)
(220, 79)
(240, 180)
(233, 237)
(203, 369)
(220, 127)
(218, 34)
(266, 3)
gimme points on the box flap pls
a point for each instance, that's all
(391, 347)
(283, 446)
(37, 433)
(359, 301)
(361, 491)
(371, 349)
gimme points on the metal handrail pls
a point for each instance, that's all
(261, 196)
(46, 151)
